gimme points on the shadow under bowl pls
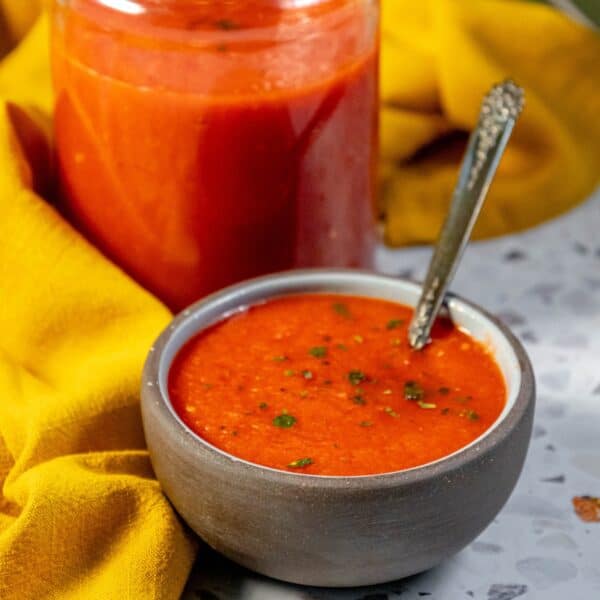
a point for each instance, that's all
(325, 530)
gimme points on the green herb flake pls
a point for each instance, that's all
(307, 374)
(226, 24)
(263, 406)
(341, 309)
(300, 463)
(427, 405)
(304, 394)
(342, 347)
(318, 351)
(359, 400)
(366, 423)
(356, 377)
(463, 399)
(284, 420)
(390, 411)
(413, 391)
(280, 358)
(289, 372)
(444, 391)
(470, 414)
(394, 324)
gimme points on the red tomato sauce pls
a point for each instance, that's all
(195, 162)
(327, 385)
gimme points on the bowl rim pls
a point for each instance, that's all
(152, 390)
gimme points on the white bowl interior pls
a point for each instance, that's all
(236, 299)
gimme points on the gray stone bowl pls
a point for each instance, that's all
(336, 531)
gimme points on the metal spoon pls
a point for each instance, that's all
(499, 112)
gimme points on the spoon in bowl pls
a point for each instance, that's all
(500, 109)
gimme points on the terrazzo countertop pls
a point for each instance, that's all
(545, 284)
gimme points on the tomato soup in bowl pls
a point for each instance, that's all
(297, 433)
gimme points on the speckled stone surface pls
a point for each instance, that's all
(545, 284)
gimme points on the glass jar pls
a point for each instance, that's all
(200, 143)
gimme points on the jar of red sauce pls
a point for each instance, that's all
(200, 143)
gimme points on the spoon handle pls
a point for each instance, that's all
(499, 112)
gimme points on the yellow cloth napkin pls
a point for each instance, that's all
(80, 515)
(439, 59)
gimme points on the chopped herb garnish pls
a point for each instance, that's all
(359, 400)
(307, 374)
(318, 351)
(426, 404)
(366, 423)
(394, 323)
(300, 463)
(227, 24)
(280, 358)
(356, 377)
(263, 406)
(470, 414)
(341, 309)
(284, 420)
(444, 391)
(445, 411)
(413, 391)
(289, 372)
(390, 411)
(342, 347)
(359, 339)
(304, 394)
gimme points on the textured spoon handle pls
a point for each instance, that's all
(499, 112)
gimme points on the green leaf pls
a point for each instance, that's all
(341, 309)
(284, 421)
(356, 377)
(318, 351)
(301, 463)
(394, 324)
(413, 391)
(470, 414)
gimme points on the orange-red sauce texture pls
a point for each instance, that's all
(327, 385)
(195, 154)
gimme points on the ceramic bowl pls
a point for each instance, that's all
(336, 531)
